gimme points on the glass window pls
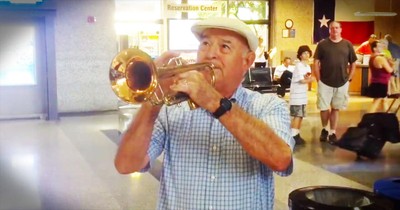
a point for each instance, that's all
(128, 10)
(180, 37)
(248, 10)
(254, 13)
(145, 36)
(17, 55)
(143, 21)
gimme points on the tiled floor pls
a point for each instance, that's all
(68, 164)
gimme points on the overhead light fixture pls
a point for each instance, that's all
(375, 14)
(383, 14)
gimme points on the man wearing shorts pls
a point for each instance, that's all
(334, 65)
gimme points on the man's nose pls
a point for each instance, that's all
(212, 51)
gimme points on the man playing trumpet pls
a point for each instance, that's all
(223, 154)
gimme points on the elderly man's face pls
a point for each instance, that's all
(229, 52)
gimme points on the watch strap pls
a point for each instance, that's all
(224, 106)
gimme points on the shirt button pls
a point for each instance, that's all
(215, 148)
(213, 178)
(211, 208)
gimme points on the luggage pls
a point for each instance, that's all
(371, 133)
(361, 141)
(383, 125)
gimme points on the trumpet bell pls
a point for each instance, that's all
(133, 76)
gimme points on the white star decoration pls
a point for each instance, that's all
(324, 21)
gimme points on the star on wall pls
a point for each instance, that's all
(324, 21)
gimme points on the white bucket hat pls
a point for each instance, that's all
(230, 24)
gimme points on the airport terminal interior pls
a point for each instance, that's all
(61, 122)
(68, 164)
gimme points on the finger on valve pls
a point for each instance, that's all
(164, 58)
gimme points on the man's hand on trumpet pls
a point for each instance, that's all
(198, 87)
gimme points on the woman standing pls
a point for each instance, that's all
(380, 69)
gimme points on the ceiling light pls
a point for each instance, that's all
(385, 14)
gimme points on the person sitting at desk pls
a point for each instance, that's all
(283, 75)
(365, 48)
(260, 61)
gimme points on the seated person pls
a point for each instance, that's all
(365, 48)
(283, 76)
(286, 66)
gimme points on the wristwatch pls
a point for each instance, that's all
(224, 106)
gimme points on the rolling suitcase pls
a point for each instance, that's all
(371, 133)
(362, 142)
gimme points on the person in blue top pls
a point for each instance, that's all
(223, 154)
(393, 47)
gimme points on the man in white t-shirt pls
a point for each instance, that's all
(283, 76)
(286, 65)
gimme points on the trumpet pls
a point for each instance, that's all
(135, 79)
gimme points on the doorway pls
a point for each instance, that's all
(23, 92)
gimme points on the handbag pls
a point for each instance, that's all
(393, 86)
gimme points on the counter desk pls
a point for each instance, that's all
(362, 72)
(359, 83)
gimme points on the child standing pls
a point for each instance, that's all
(298, 91)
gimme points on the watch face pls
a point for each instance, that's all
(289, 23)
(226, 103)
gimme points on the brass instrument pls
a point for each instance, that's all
(135, 78)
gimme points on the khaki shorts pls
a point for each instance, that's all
(330, 97)
(298, 110)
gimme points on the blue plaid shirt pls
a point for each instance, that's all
(205, 167)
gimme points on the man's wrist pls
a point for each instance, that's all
(225, 105)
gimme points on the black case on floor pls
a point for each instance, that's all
(371, 133)
(383, 125)
(361, 141)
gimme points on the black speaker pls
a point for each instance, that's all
(336, 198)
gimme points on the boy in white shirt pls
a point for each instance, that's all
(298, 91)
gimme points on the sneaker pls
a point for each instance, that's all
(332, 139)
(324, 135)
(298, 139)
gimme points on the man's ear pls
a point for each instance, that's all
(249, 59)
